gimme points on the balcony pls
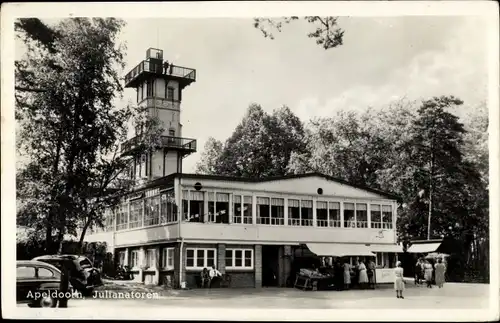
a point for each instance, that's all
(184, 145)
(146, 68)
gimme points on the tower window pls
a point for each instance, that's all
(150, 88)
(170, 93)
(171, 132)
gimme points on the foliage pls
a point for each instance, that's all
(327, 33)
(260, 146)
(69, 127)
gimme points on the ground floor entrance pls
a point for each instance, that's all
(270, 266)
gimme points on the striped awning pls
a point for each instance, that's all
(424, 247)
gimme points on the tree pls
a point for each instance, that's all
(208, 163)
(327, 33)
(343, 146)
(69, 127)
(260, 146)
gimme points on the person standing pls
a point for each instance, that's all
(440, 269)
(418, 272)
(428, 273)
(371, 273)
(399, 283)
(347, 275)
(363, 275)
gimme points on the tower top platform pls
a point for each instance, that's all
(155, 67)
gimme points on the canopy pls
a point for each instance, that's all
(386, 248)
(424, 247)
(339, 249)
(434, 255)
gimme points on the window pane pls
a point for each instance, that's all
(238, 258)
(248, 262)
(25, 272)
(229, 258)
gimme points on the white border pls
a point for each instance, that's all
(10, 11)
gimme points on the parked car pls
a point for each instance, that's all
(83, 276)
(36, 283)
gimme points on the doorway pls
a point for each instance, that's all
(270, 266)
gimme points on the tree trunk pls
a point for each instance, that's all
(430, 197)
(82, 235)
(50, 215)
(60, 240)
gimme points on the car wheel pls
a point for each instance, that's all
(47, 301)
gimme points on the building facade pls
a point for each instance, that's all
(174, 224)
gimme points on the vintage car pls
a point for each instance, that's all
(36, 283)
(83, 276)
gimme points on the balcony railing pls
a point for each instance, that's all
(186, 144)
(153, 67)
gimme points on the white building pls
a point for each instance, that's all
(175, 224)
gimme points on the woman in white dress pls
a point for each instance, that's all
(363, 275)
(428, 273)
(399, 284)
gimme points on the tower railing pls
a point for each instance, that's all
(158, 68)
(186, 144)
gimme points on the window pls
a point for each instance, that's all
(169, 93)
(277, 211)
(150, 258)
(150, 88)
(45, 273)
(109, 220)
(200, 258)
(122, 217)
(167, 258)
(321, 214)
(386, 260)
(376, 216)
(134, 258)
(185, 205)
(237, 209)
(247, 210)
(222, 208)
(349, 221)
(121, 258)
(196, 202)
(85, 263)
(25, 272)
(361, 215)
(239, 258)
(293, 212)
(386, 217)
(152, 211)
(168, 209)
(135, 214)
(171, 133)
(306, 213)
(242, 209)
(334, 214)
(263, 210)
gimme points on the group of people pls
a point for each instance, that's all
(347, 276)
(424, 270)
(209, 277)
(361, 274)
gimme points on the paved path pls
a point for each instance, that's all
(457, 296)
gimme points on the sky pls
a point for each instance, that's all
(382, 60)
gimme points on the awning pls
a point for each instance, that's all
(424, 247)
(339, 249)
(385, 248)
